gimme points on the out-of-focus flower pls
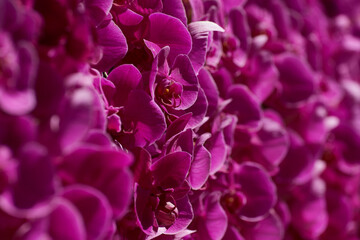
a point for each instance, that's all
(19, 29)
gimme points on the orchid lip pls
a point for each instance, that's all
(166, 214)
(129, 128)
(164, 206)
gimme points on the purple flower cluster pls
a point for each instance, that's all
(180, 119)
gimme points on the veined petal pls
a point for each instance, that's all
(98, 220)
(199, 33)
(245, 106)
(176, 9)
(214, 223)
(114, 46)
(170, 171)
(147, 116)
(125, 78)
(200, 167)
(259, 190)
(183, 73)
(165, 30)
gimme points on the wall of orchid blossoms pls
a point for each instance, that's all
(171, 119)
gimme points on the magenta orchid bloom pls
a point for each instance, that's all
(179, 119)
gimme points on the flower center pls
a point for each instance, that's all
(169, 92)
(229, 44)
(233, 202)
(329, 155)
